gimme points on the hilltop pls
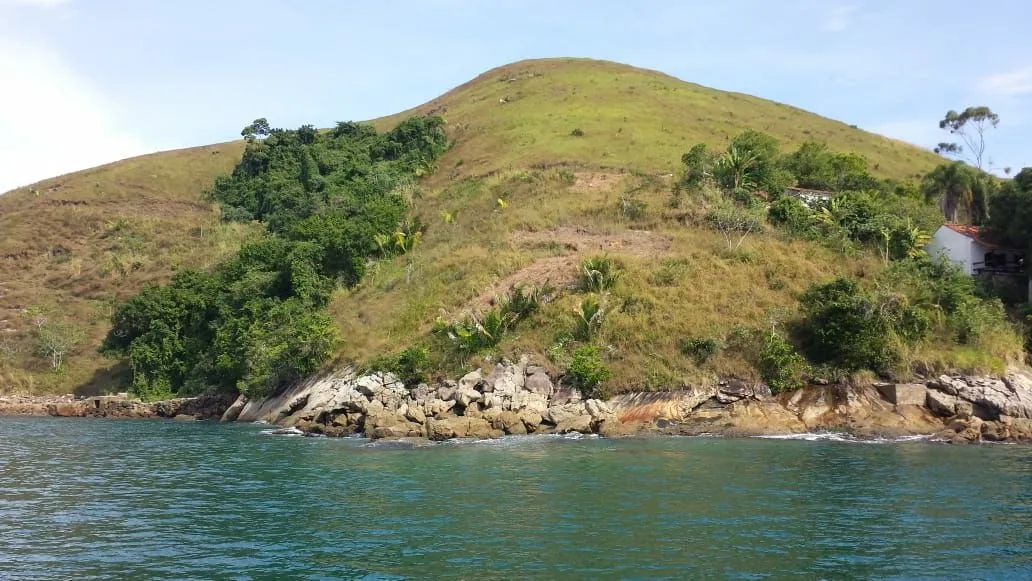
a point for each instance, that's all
(543, 156)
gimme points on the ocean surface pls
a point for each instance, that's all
(87, 498)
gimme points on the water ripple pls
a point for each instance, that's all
(89, 499)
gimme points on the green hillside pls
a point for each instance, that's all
(519, 198)
(522, 115)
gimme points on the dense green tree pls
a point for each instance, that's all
(847, 327)
(698, 167)
(258, 320)
(1010, 216)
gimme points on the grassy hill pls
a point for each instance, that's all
(522, 115)
(73, 246)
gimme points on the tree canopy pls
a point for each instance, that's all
(258, 319)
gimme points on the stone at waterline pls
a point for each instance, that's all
(904, 393)
(941, 403)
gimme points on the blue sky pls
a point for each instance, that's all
(85, 82)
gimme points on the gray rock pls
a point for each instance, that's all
(459, 427)
(733, 390)
(538, 382)
(941, 403)
(904, 393)
(471, 381)
(565, 395)
(465, 396)
(531, 419)
(580, 424)
(557, 414)
(446, 393)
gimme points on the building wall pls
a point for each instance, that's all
(954, 246)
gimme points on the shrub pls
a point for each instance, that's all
(700, 349)
(599, 274)
(521, 302)
(780, 365)
(793, 215)
(631, 207)
(734, 222)
(578, 132)
(590, 317)
(847, 327)
(589, 372)
(236, 214)
(412, 365)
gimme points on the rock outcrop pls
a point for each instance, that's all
(520, 398)
(206, 406)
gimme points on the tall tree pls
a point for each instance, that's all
(970, 125)
(953, 186)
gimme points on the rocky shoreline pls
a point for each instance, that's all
(521, 398)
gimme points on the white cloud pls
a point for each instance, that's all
(1010, 84)
(52, 121)
(839, 18)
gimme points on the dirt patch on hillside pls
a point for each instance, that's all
(581, 240)
(584, 181)
(573, 244)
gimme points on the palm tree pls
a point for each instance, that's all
(735, 167)
(954, 185)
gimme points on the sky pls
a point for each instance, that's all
(85, 82)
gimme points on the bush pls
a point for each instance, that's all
(793, 215)
(590, 317)
(631, 207)
(521, 302)
(734, 222)
(846, 327)
(700, 349)
(412, 365)
(599, 274)
(578, 132)
(589, 372)
(780, 365)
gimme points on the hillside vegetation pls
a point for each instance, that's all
(551, 163)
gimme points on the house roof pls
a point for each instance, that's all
(808, 192)
(974, 233)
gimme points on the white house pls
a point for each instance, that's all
(811, 198)
(976, 255)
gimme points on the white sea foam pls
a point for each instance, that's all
(841, 437)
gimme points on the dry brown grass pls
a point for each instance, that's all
(76, 244)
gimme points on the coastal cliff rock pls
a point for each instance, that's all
(520, 398)
(205, 406)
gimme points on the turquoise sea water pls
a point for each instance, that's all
(153, 499)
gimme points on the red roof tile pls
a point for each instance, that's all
(974, 233)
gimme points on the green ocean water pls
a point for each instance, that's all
(83, 499)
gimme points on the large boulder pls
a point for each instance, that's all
(471, 381)
(941, 403)
(529, 400)
(537, 381)
(234, 409)
(580, 424)
(531, 418)
(460, 427)
(598, 410)
(465, 396)
(733, 390)
(990, 397)
(557, 414)
(904, 393)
